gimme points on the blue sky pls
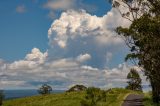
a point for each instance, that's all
(28, 29)
(62, 43)
(22, 31)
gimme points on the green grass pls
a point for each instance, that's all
(147, 101)
(117, 95)
(114, 98)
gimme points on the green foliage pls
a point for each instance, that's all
(45, 89)
(93, 96)
(143, 38)
(1, 97)
(147, 100)
(85, 102)
(134, 82)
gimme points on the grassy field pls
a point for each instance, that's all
(148, 100)
(114, 98)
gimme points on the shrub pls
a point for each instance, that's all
(93, 96)
(85, 102)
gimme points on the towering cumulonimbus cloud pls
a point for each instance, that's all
(78, 24)
(78, 32)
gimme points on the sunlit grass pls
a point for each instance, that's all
(147, 101)
(114, 98)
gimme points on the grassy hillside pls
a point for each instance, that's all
(114, 98)
(148, 100)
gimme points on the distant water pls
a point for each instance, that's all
(12, 94)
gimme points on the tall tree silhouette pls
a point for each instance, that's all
(134, 80)
(143, 37)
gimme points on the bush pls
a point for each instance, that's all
(45, 89)
(93, 96)
(85, 102)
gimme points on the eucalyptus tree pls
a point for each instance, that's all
(134, 80)
(143, 37)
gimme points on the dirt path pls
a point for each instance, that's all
(133, 100)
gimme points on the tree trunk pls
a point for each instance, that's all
(155, 92)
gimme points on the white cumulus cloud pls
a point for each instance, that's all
(32, 60)
(74, 24)
(83, 57)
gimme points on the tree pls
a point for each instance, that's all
(143, 37)
(77, 88)
(45, 89)
(1, 97)
(134, 80)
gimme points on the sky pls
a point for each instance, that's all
(61, 43)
